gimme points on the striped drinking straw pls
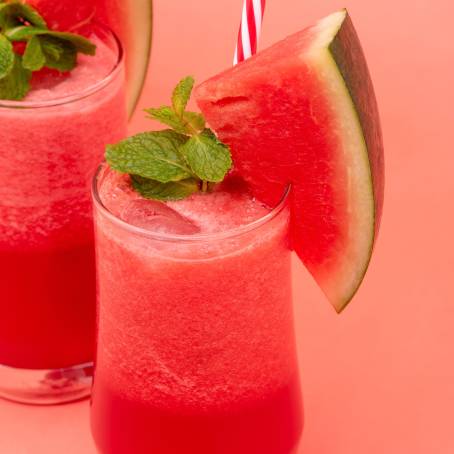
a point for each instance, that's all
(250, 26)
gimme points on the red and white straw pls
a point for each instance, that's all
(249, 34)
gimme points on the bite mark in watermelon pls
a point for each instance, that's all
(303, 112)
(131, 20)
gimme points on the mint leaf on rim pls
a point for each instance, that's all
(195, 121)
(174, 190)
(60, 55)
(6, 57)
(208, 158)
(175, 116)
(22, 32)
(53, 49)
(25, 32)
(16, 84)
(167, 116)
(14, 13)
(152, 155)
(181, 95)
(34, 58)
(81, 44)
(189, 123)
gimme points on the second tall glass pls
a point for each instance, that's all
(49, 148)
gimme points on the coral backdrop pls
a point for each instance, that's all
(378, 379)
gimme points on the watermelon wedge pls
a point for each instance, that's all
(131, 20)
(303, 112)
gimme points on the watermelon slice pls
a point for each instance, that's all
(131, 20)
(303, 112)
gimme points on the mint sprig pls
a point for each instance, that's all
(173, 163)
(44, 48)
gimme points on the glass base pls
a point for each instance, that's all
(46, 386)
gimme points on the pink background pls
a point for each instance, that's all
(380, 377)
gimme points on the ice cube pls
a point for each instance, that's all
(157, 217)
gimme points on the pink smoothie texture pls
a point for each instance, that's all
(48, 154)
(195, 337)
(215, 212)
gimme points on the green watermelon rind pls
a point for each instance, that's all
(345, 52)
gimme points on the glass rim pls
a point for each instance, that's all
(82, 94)
(188, 238)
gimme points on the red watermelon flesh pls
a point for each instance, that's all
(131, 20)
(303, 112)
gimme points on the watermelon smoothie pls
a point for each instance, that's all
(195, 345)
(49, 147)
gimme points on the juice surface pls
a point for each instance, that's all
(47, 157)
(195, 347)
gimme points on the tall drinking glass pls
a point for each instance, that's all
(49, 145)
(195, 339)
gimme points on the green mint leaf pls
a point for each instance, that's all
(23, 32)
(211, 135)
(81, 44)
(6, 57)
(181, 95)
(190, 123)
(167, 116)
(60, 55)
(152, 155)
(174, 190)
(52, 49)
(208, 158)
(33, 58)
(195, 120)
(13, 14)
(16, 84)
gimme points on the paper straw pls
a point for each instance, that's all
(250, 27)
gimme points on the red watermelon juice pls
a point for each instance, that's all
(195, 348)
(49, 145)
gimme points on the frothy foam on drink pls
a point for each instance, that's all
(213, 212)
